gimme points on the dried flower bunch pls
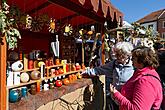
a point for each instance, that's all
(7, 27)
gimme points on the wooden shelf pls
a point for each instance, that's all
(48, 67)
(22, 84)
(14, 60)
(34, 81)
(64, 74)
(29, 69)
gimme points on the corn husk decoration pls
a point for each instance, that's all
(68, 30)
(28, 22)
(52, 26)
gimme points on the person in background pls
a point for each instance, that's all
(161, 55)
(143, 91)
(120, 38)
(111, 45)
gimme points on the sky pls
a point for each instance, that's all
(134, 10)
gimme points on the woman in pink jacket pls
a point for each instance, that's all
(143, 91)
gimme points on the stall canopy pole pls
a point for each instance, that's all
(82, 49)
(94, 47)
(102, 46)
(3, 74)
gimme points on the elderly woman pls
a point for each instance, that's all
(119, 70)
(143, 90)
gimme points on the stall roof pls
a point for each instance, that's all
(75, 12)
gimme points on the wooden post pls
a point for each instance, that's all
(102, 49)
(82, 50)
(3, 90)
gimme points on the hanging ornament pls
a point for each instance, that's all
(28, 22)
(81, 33)
(68, 30)
(37, 24)
(90, 32)
(52, 26)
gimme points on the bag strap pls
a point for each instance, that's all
(152, 76)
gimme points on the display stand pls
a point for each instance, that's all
(82, 13)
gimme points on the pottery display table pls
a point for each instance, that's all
(85, 89)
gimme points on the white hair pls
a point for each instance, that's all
(126, 47)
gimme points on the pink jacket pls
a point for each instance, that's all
(140, 92)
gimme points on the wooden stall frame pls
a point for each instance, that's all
(3, 90)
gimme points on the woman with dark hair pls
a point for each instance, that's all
(143, 91)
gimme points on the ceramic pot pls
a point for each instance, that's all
(15, 95)
(24, 91)
(25, 77)
(13, 56)
(17, 66)
(35, 75)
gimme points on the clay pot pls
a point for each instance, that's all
(35, 75)
(13, 56)
(24, 77)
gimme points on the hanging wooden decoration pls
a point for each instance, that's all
(37, 24)
(28, 22)
(52, 25)
(81, 33)
(91, 32)
(68, 30)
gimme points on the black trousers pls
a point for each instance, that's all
(110, 104)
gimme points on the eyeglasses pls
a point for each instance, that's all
(121, 56)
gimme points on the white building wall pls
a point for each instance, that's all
(151, 23)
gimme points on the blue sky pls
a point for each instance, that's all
(134, 10)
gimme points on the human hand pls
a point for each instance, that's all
(85, 72)
(112, 89)
(89, 71)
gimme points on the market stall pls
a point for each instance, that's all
(42, 24)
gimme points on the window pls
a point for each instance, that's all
(163, 24)
(150, 26)
(163, 35)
